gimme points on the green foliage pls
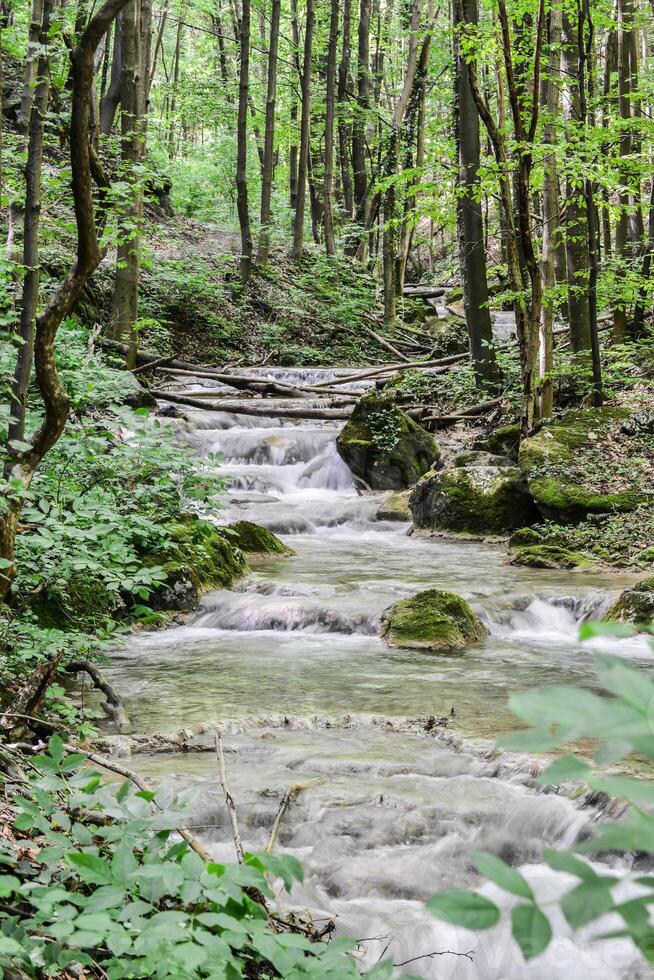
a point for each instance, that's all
(108, 885)
(618, 718)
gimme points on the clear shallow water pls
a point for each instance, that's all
(385, 818)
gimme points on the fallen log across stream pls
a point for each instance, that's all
(260, 408)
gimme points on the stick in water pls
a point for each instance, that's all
(229, 800)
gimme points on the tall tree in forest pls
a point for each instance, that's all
(523, 268)
(361, 119)
(305, 126)
(343, 127)
(31, 212)
(576, 217)
(111, 98)
(550, 99)
(472, 253)
(26, 456)
(269, 136)
(293, 148)
(245, 265)
(330, 113)
(136, 29)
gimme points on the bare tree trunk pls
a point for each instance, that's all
(330, 113)
(551, 231)
(241, 146)
(25, 462)
(31, 218)
(111, 99)
(576, 217)
(172, 104)
(305, 124)
(343, 127)
(361, 119)
(293, 149)
(269, 139)
(625, 28)
(472, 254)
(124, 311)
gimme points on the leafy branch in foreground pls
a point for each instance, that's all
(620, 720)
(95, 877)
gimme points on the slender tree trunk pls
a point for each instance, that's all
(625, 27)
(241, 146)
(576, 217)
(269, 139)
(172, 104)
(472, 255)
(305, 124)
(111, 100)
(330, 112)
(361, 118)
(344, 133)
(124, 311)
(31, 217)
(293, 149)
(551, 231)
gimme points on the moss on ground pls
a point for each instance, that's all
(431, 620)
(198, 551)
(547, 556)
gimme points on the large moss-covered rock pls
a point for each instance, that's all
(478, 493)
(256, 540)
(547, 556)
(383, 446)
(431, 620)
(567, 464)
(635, 605)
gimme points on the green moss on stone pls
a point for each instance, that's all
(395, 507)
(80, 602)
(524, 536)
(254, 539)
(548, 556)
(431, 620)
(635, 605)
(383, 446)
(505, 441)
(198, 551)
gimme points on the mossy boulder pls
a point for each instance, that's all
(565, 465)
(431, 620)
(395, 507)
(256, 540)
(483, 496)
(383, 446)
(504, 441)
(79, 602)
(196, 557)
(635, 605)
(547, 556)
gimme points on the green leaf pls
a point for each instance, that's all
(589, 631)
(502, 874)
(565, 861)
(464, 908)
(91, 868)
(8, 885)
(531, 930)
(563, 769)
(587, 902)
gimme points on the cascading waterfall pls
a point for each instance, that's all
(388, 814)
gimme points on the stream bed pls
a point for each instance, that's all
(288, 661)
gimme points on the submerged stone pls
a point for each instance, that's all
(564, 465)
(395, 507)
(635, 605)
(383, 446)
(478, 493)
(431, 620)
(256, 540)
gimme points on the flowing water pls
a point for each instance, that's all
(389, 811)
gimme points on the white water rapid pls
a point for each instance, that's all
(389, 811)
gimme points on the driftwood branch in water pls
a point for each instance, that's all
(158, 362)
(444, 362)
(113, 706)
(126, 773)
(229, 800)
(262, 409)
(286, 800)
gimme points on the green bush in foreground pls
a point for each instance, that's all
(621, 721)
(93, 876)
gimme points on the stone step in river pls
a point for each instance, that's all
(288, 661)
